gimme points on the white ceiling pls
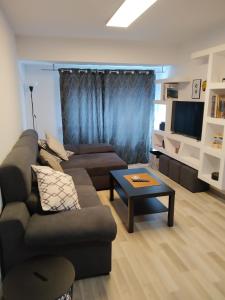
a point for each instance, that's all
(169, 22)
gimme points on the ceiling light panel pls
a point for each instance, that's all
(128, 12)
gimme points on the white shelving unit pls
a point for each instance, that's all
(201, 155)
(213, 159)
(179, 147)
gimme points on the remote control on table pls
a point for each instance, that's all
(138, 179)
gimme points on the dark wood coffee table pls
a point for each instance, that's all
(141, 201)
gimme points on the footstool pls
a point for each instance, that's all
(174, 170)
(164, 164)
(189, 180)
(42, 278)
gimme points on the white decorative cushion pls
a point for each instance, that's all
(69, 153)
(51, 160)
(57, 190)
(43, 144)
(56, 146)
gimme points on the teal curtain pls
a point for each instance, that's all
(113, 107)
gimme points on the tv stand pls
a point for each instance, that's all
(179, 147)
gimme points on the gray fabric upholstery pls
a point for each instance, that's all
(68, 228)
(80, 176)
(96, 164)
(13, 224)
(15, 171)
(33, 203)
(84, 237)
(87, 196)
(90, 148)
(101, 182)
(95, 148)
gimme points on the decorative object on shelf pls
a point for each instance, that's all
(170, 91)
(215, 176)
(223, 80)
(217, 141)
(218, 106)
(196, 88)
(177, 149)
(162, 126)
(204, 85)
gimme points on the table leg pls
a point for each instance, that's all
(130, 215)
(171, 210)
(111, 190)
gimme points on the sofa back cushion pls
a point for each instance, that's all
(15, 171)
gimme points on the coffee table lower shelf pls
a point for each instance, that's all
(144, 206)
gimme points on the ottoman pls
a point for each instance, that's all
(164, 164)
(41, 278)
(174, 170)
(189, 180)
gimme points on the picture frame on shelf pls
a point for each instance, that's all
(196, 88)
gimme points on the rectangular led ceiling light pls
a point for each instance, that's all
(128, 12)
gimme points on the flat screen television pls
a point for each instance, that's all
(187, 118)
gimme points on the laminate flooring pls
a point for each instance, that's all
(155, 262)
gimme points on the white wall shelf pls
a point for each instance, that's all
(205, 155)
(216, 86)
(211, 158)
(173, 80)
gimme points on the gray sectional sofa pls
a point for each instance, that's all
(83, 236)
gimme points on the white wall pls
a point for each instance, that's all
(10, 114)
(94, 51)
(46, 97)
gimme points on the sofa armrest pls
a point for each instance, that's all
(71, 227)
(14, 219)
(13, 223)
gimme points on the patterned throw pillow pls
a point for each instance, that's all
(57, 190)
(50, 160)
(56, 146)
(43, 144)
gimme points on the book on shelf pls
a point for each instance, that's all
(218, 106)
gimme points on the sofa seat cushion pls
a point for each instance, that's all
(80, 176)
(87, 196)
(96, 164)
(93, 224)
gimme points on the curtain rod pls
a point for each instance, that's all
(104, 71)
(55, 69)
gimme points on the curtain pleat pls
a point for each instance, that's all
(110, 107)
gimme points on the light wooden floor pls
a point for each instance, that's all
(157, 262)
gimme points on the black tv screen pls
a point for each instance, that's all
(187, 118)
